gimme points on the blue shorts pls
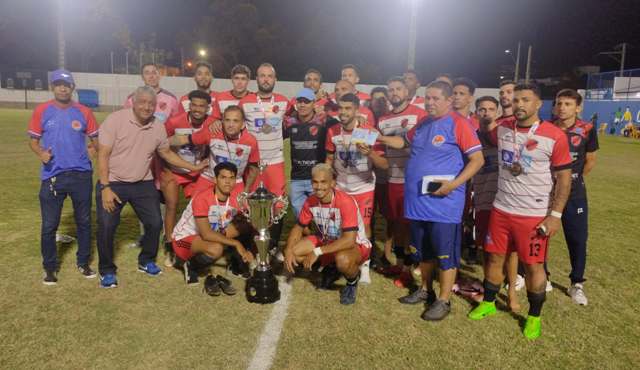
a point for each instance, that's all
(436, 241)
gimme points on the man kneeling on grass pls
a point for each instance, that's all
(210, 222)
(339, 234)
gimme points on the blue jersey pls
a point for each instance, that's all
(438, 146)
(64, 130)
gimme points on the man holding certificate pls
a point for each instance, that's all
(435, 192)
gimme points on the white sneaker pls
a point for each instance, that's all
(576, 292)
(64, 239)
(519, 283)
(549, 287)
(365, 278)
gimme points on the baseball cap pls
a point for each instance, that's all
(61, 75)
(306, 93)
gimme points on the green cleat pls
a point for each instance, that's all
(532, 327)
(483, 310)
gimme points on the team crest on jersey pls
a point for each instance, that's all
(239, 151)
(532, 144)
(404, 123)
(437, 140)
(163, 105)
(76, 125)
(313, 130)
(576, 140)
(275, 109)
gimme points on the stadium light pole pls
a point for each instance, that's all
(516, 61)
(61, 39)
(528, 71)
(411, 58)
(622, 53)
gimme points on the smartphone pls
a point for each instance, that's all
(432, 186)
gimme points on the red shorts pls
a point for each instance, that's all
(395, 199)
(509, 233)
(481, 222)
(182, 247)
(188, 182)
(381, 202)
(329, 258)
(273, 178)
(365, 205)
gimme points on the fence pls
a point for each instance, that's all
(614, 85)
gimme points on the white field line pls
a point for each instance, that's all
(268, 342)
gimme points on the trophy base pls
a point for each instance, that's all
(262, 287)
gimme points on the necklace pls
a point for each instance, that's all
(222, 216)
(516, 168)
(266, 127)
(325, 222)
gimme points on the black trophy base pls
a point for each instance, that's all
(262, 287)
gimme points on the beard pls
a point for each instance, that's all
(266, 88)
(396, 103)
(204, 86)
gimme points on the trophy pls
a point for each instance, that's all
(260, 208)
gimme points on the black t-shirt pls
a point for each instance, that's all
(307, 143)
(583, 139)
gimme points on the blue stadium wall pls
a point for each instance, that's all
(606, 110)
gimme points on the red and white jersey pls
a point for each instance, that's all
(206, 204)
(214, 108)
(417, 101)
(355, 171)
(333, 219)
(181, 125)
(225, 99)
(166, 105)
(263, 118)
(241, 151)
(363, 112)
(485, 182)
(398, 124)
(539, 150)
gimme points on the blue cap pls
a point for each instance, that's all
(61, 75)
(306, 93)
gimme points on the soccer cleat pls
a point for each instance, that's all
(419, 296)
(226, 286)
(483, 310)
(576, 292)
(532, 328)
(50, 277)
(108, 281)
(86, 271)
(190, 275)
(150, 268)
(64, 239)
(437, 311)
(212, 286)
(519, 283)
(365, 278)
(548, 288)
(348, 294)
(169, 255)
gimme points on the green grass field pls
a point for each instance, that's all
(160, 323)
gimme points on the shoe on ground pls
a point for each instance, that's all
(108, 281)
(150, 268)
(238, 268)
(169, 255)
(520, 283)
(419, 296)
(437, 311)
(532, 328)
(548, 288)
(404, 280)
(483, 310)
(348, 294)
(50, 277)
(226, 286)
(212, 286)
(330, 275)
(365, 277)
(65, 239)
(190, 275)
(86, 271)
(576, 292)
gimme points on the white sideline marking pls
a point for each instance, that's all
(268, 342)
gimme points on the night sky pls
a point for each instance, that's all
(462, 37)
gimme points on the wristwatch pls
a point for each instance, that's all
(102, 186)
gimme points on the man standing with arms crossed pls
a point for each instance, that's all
(445, 154)
(129, 139)
(58, 131)
(528, 207)
(583, 144)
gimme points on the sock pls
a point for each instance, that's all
(353, 281)
(490, 291)
(536, 300)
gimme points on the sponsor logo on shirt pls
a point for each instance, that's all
(437, 140)
(76, 125)
(507, 156)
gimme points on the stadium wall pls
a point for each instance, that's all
(113, 89)
(606, 110)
